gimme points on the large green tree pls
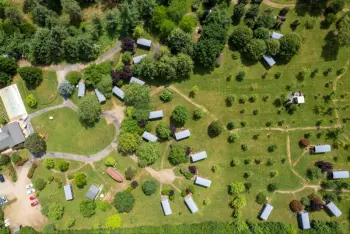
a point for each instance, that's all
(55, 211)
(148, 153)
(35, 144)
(124, 202)
(105, 86)
(87, 208)
(344, 31)
(179, 115)
(72, 8)
(89, 110)
(255, 49)
(240, 37)
(289, 45)
(179, 41)
(31, 75)
(136, 93)
(177, 154)
(8, 65)
(127, 142)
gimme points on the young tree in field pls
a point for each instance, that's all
(66, 89)
(236, 188)
(136, 93)
(130, 173)
(177, 154)
(124, 202)
(49, 163)
(35, 144)
(163, 131)
(39, 184)
(31, 75)
(215, 129)
(127, 143)
(89, 110)
(114, 221)
(110, 161)
(148, 153)
(289, 45)
(166, 95)
(80, 180)
(63, 165)
(149, 187)
(179, 115)
(239, 202)
(87, 208)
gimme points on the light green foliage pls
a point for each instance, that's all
(135, 93)
(80, 180)
(138, 32)
(126, 57)
(255, 49)
(87, 208)
(105, 86)
(148, 153)
(239, 201)
(70, 223)
(215, 168)
(177, 9)
(207, 201)
(163, 131)
(89, 110)
(40, 184)
(187, 23)
(198, 114)
(110, 161)
(55, 211)
(166, 95)
(236, 188)
(179, 115)
(74, 77)
(127, 143)
(103, 206)
(194, 91)
(63, 165)
(177, 154)
(114, 221)
(233, 137)
(31, 101)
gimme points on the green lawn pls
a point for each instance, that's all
(46, 93)
(65, 133)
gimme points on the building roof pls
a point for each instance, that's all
(322, 148)
(118, 92)
(114, 174)
(81, 89)
(138, 58)
(155, 114)
(334, 209)
(166, 206)
(13, 102)
(137, 81)
(300, 99)
(269, 60)
(68, 192)
(100, 96)
(199, 156)
(92, 193)
(149, 136)
(144, 42)
(190, 204)
(304, 220)
(266, 211)
(340, 174)
(183, 134)
(203, 182)
(10, 135)
(275, 35)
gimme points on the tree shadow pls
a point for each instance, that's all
(331, 48)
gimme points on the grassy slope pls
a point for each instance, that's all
(65, 134)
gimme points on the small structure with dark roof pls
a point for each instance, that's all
(145, 43)
(182, 135)
(276, 36)
(118, 92)
(190, 204)
(149, 137)
(269, 60)
(101, 98)
(81, 89)
(340, 174)
(304, 221)
(265, 212)
(68, 192)
(138, 59)
(202, 182)
(155, 114)
(11, 135)
(332, 208)
(137, 81)
(166, 206)
(199, 156)
(320, 149)
(93, 192)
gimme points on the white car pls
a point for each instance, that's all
(7, 221)
(29, 186)
(30, 191)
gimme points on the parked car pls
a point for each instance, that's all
(30, 191)
(33, 197)
(29, 186)
(2, 179)
(34, 203)
(4, 200)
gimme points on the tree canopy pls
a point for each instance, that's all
(35, 144)
(89, 110)
(124, 202)
(136, 93)
(177, 154)
(148, 153)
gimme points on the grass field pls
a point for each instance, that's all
(65, 133)
(46, 93)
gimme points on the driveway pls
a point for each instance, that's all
(20, 212)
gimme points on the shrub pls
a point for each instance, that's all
(49, 163)
(240, 76)
(124, 202)
(230, 99)
(50, 179)
(103, 206)
(126, 57)
(215, 129)
(242, 99)
(39, 184)
(247, 174)
(256, 111)
(230, 125)
(48, 229)
(130, 173)
(244, 123)
(198, 114)
(66, 89)
(261, 198)
(80, 180)
(87, 208)
(271, 162)
(134, 184)
(296, 206)
(233, 138)
(272, 187)
(188, 175)
(149, 187)
(179, 115)
(114, 221)
(273, 174)
(177, 154)
(269, 123)
(192, 189)
(206, 201)
(236, 188)
(239, 201)
(166, 95)
(63, 165)
(237, 214)
(148, 153)
(31, 75)
(55, 211)
(253, 98)
(215, 168)
(31, 101)
(15, 158)
(235, 162)
(271, 148)
(74, 77)
(314, 173)
(305, 201)
(194, 91)
(247, 161)
(244, 147)
(163, 131)
(166, 191)
(70, 222)
(110, 161)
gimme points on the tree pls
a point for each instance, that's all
(74, 77)
(49, 163)
(111, 19)
(179, 115)
(31, 75)
(80, 180)
(179, 42)
(105, 86)
(87, 208)
(110, 161)
(148, 153)
(236, 188)
(187, 23)
(44, 48)
(149, 187)
(239, 201)
(183, 65)
(55, 211)
(177, 9)
(238, 12)
(166, 27)
(336, 6)
(130, 173)
(163, 131)
(159, 15)
(206, 52)
(8, 66)
(272, 187)
(4, 159)
(127, 143)
(344, 31)
(265, 20)
(166, 95)
(31, 101)
(136, 93)
(35, 144)
(128, 44)
(89, 110)
(262, 33)
(215, 128)
(177, 154)
(63, 165)
(39, 184)
(272, 46)
(49, 228)
(296, 206)
(13, 15)
(314, 173)
(129, 16)
(198, 114)
(233, 138)
(261, 198)
(124, 202)
(66, 89)
(255, 49)
(5, 79)
(114, 221)
(289, 45)
(72, 8)
(93, 73)
(240, 37)
(26, 230)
